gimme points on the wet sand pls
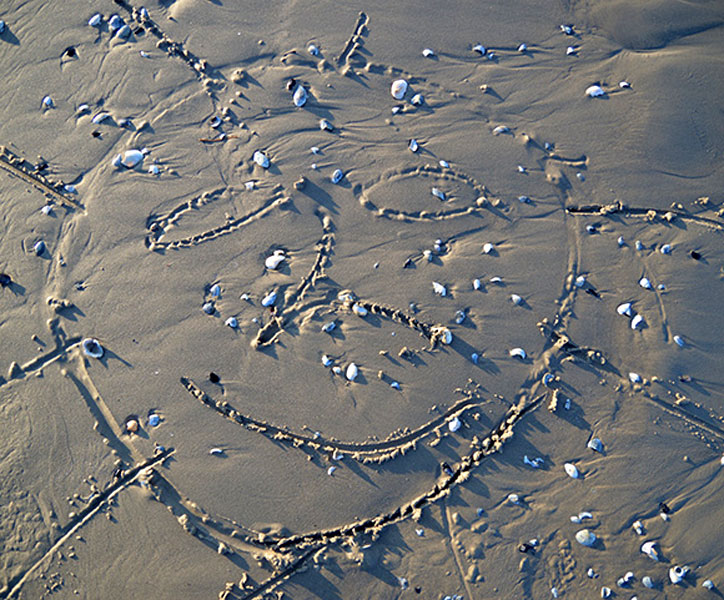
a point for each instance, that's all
(284, 479)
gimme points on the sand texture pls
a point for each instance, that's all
(372, 383)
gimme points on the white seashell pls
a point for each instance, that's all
(628, 578)
(536, 463)
(95, 20)
(677, 574)
(636, 321)
(570, 50)
(661, 287)
(516, 299)
(595, 444)
(272, 262)
(647, 581)
(624, 309)
(398, 89)
(92, 347)
(395, 385)
(116, 162)
(300, 96)
(313, 50)
(314, 149)
(479, 48)
(48, 102)
(501, 129)
(522, 48)
(427, 53)
(154, 420)
(427, 254)
(624, 84)
(39, 247)
(666, 249)
(337, 176)
(269, 299)
(144, 13)
(444, 164)
(519, 352)
(446, 336)
(417, 100)
(554, 592)
(460, 316)
(548, 379)
(324, 125)
(337, 370)
(249, 186)
(639, 245)
(488, 248)
(524, 199)
(331, 470)
(232, 322)
(514, 498)
(144, 54)
(620, 241)
(595, 91)
(47, 209)
(571, 470)
(477, 284)
(708, 584)
(208, 308)
(634, 377)
(359, 310)
(154, 170)
(591, 229)
(649, 549)
(396, 109)
(438, 288)
(326, 360)
(605, 592)
(261, 159)
(438, 193)
(496, 280)
(100, 117)
(580, 281)
(413, 145)
(215, 290)
(83, 109)
(576, 519)
(328, 327)
(244, 296)
(585, 515)
(123, 32)
(585, 537)
(131, 158)
(638, 527)
(216, 451)
(567, 29)
(581, 177)
(115, 22)
(352, 372)
(454, 425)
(591, 573)
(679, 341)
(645, 283)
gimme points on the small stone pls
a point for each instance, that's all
(208, 308)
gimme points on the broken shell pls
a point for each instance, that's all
(438, 193)
(636, 321)
(92, 347)
(413, 145)
(232, 322)
(516, 299)
(479, 48)
(116, 162)
(519, 352)
(328, 327)
(647, 581)
(359, 310)
(215, 290)
(488, 248)
(398, 89)
(649, 549)
(567, 29)
(326, 360)
(501, 129)
(620, 241)
(624, 309)
(679, 341)
(570, 50)
(313, 50)
(548, 379)
(514, 498)
(438, 288)
(624, 84)
(677, 574)
(324, 125)
(39, 248)
(100, 117)
(708, 584)
(595, 91)
(585, 537)
(580, 281)
(208, 308)
(477, 284)
(269, 299)
(300, 96)
(454, 425)
(605, 592)
(645, 283)
(216, 451)
(154, 170)
(571, 470)
(634, 377)
(524, 199)
(331, 470)
(95, 20)
(131, 158)
(272, 262)
(352, 372)
(638, 527)
(48, 102)
(522, 48)
(427, 254)
(337, 176)
(595, 444)
(427, 53)
(417, 100)
(261, 159)
(666, 249)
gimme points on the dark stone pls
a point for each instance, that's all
(5, 279)
(695, 255)
(664, 508)
(214, 378)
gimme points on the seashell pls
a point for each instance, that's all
(479, 48)
(336, 176)
(92, 347)
(585, 515)
(326, 360)
(554, 592)
(324, 125)
(620, 241)
(628, 578)
(359, 310)
(454, 424)
(536, 463)
(708, 584)
(570, 50)
(272, 262)
(661, 287)
(404, 584)
(428, 53)
(215, 290)
(638, 527)
(352, 372)
(444, 164)
(395, 385)
(585, 537)
(208, 308)
(571, 470)
(460, 316)
(438, 288)
(143, 11)
(580, 281)
(313, 50)
(328, 327)
(677, 574)
(477, 284)
(581, 177)
(666, 249)
(115, 22)
(649, 549)
(624, 309)
(595, 444)
(413, 145)
(427, 254)
(548, 379)
(595, 91)
(244, 296)
(232, 322)
(331, 470)
(417, 100)
(639, 245)
(300, 96)
(154, 420)
(624, 84)
(337, 370)
(131, 158)
(95, 20)
(261, 159)
(519, 352)
(605, 592)
(521, 169)
(116, 162)
(396, 109)
(522, 48)
(398, 89)
(82, 109)
(154, 170)
(501, 129)
(496, 280)
(100, 117)
(645, 283)
(131, 426)
(269, 299)
(488, 248)
(39, 248)
(123, 32)
(514, 498)
(516, 299)
(524, 199)
(48, 102)
(647, 581)
(567, 29)
(475, 357)
(446, 336)
(591, 573)
(438, 193)
(47, 209)
(634, 377)
(636, 321)
(679, 341)
(216, 451)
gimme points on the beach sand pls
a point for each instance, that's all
(283, 479)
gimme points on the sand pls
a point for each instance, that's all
(284, 479)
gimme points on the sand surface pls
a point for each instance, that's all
(282, 478)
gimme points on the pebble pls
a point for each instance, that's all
(154, 420)
(123, 32)
(328, 327)
(639, 245)
(324, 125)
(595, 444)
(352, 372)
(261, 159)
(39, 247)
(398, 89)
(359, 310)
(269, 299)
(131, 426)
(572, 470)
(638, 527)
(580, 281)
(215, 290)
(514, 498)
(460, 316)
(439, 289)
(337, 176)
(620, 241)
(708, 584)
(595, 91)
(454, 424)
(92, 347)
(232, 322)
(95, 20)
(300, 96)
(154, 170)
(413, 145)
(208, 308)
(477, 284)
(585, 537)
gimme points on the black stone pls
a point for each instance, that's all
(291, 84)
(5, 279)
(214, 378)
(96, 134)
(525, 548)
(695, 255)
(664, 508)
(418, 589)
(70, 52)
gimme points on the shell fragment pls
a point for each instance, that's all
(585, 537)
(595, 91)
(518, 352)
(398, 89)
(439, 289)
(261, 159)
(352, 372)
